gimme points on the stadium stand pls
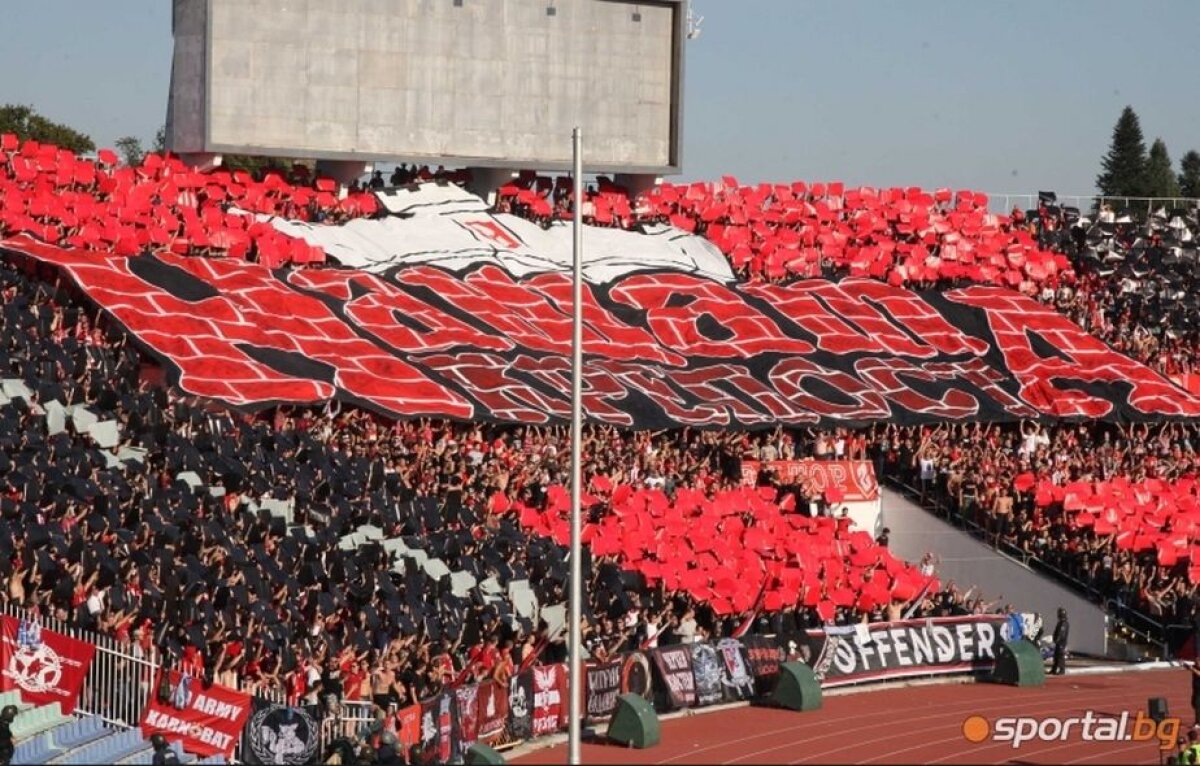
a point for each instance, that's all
(57, 197)
(1137, 284)
(780, 232)
(85, 740)
(1111, 509)
(436, 473)
(328, 551)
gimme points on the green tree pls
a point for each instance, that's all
(28, 125)
(1160, 175)
(1125, 164)
(1189, 178)
(131, 150)
(160, 141)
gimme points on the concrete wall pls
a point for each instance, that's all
(186, 107)
(968, 562)
(486, 82)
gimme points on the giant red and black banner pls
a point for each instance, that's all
(663, 349)
(43, 666)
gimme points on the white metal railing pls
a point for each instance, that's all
(120, 680)
(347, 719)
(1005, 202)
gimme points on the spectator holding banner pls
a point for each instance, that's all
(1016, 626)
(687, 626)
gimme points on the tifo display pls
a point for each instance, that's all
(291, 466)
(483, 346)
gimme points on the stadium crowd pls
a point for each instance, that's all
(221, 539)
(1110, 506)
(1137, 285)
(166, 536)
(1129, 281)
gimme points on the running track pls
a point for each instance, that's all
(906, 725)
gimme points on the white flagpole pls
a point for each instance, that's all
(575, 637)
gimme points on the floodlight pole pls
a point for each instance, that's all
(575, 636)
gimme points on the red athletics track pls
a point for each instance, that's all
(921, 724)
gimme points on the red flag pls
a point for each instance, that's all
(744, 628)
(44, 666)
(649, 642)
(408, 726)
(207, 720)
(464, 676)
(493, 710)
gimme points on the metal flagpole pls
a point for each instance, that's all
(575, 637)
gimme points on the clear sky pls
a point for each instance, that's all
(999, 96)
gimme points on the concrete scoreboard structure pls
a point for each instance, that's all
(477, 83)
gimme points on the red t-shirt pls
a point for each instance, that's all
(192, 662)
(298, 683)
(353, 685)
(484, 656)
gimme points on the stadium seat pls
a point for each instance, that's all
(109, 749)
(37, 720)
(66, 736)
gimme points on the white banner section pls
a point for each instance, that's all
(443, 225)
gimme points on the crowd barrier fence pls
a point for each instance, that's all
(1004, 202)
(119, 680)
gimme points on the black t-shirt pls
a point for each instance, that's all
(331, 683)
(1195, 685)
(1062, 632)
(555, 652)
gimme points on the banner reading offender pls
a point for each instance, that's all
(840, 656)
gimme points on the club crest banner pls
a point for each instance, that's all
(735, 671)
(278, 734)
(44, 666)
